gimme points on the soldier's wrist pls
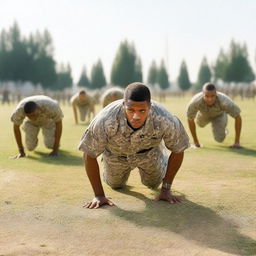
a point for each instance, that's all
(166, 186)
(21, 149)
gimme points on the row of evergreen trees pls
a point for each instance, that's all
(32, 59)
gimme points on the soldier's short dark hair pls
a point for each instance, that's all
(30, 107)
(82, 92)
(137, 92)
(209, 87)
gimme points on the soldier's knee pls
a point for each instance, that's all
(200, 123)
(117, 187)
(49, 144)
(220, 138)
(31, 145)
(151, 184)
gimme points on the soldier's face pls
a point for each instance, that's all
(209, 97)
(82, 97)
(33, 116)
(136, 112)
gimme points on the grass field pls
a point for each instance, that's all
(41, 199)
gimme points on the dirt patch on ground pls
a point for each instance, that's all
(36, 218)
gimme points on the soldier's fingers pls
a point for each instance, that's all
(171, 201)
(86, 205)
(97, 205)
(92, 205)
(178, 200)
(110, 203)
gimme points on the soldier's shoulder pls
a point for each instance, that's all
(159, 111)
(223, 97)
(196, 98)
(74, 97)
(108, 118)
(111, 111)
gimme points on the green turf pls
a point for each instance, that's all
(41, 199)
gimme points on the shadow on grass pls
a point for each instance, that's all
(190, 220)
(64, 158)
(242, 151)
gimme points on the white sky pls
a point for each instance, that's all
(84, 30)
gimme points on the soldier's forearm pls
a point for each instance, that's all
(18, 139)
(75, 114)
(58, 133)
(238, 128)
(192, 128)
(93, 173)
(174, 163)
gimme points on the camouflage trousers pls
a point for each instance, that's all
(152, 167)
(219, 125)
(83, 111)
(31, 134)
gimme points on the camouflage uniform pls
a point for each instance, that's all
(123, 149)
(216, 114)
(49, 113)
(84, 107)
(111, 95)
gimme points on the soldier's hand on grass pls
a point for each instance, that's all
(236, 146)
(166, 195)
(20, 155)
(97, 202)
(54, 153)
(197, 144)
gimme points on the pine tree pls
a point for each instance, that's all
(221, 66)
(152, 74)
(162, 77)
(64, 78)
(98, 79)
(126, 67)
(83, 80)
(183, 78)
(204, 74)
(239, 68)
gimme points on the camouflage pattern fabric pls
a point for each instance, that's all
(49, 113)
(84, 107)
(125, 149)
(111, 95)
(215, 114)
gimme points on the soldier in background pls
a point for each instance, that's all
(5, 96)
(129, 133)
(211, 106)
(111, 95)
(40, 112)
(85, 104)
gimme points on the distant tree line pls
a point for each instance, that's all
(32, 59)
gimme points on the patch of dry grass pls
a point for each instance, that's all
(41, 200)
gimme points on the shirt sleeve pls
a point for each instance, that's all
(192, 110)
(230, 107)
(73, 99)
(18, 116)
(94, 140)
(175, 137)
(54, 112)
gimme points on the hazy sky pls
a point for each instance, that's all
(84, 30)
